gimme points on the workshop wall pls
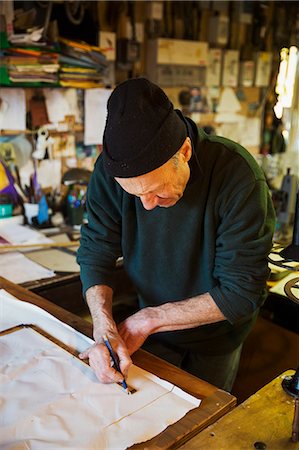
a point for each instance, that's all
(217, 60)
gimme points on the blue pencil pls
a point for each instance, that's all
(115, 361)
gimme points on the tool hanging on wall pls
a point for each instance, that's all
(166, 20)
(113, 12)
(128, 49)
(190, 20)
(259, 25)
(153, 25)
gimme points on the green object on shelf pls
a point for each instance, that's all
(3, 40)
(5, 210)
(4, 78)
(5, 206)
(75, 214)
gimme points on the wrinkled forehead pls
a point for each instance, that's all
(146, 183)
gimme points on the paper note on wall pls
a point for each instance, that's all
(95, 107)
(245, 131)
(228, 101)
(61, 103)
(12, 109)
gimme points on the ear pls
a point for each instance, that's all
(186, 150)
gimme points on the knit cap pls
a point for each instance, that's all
(142, 132)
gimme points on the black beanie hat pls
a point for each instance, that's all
(142, 130)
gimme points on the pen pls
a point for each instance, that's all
(115, 361)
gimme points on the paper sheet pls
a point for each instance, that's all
(13, 312)
(12, 109)
(228, 102)
(15, 267)
(61, 103)
(56, 402)
(245, 131)
(251, 132)
(95, 115)
(20, 234)
(57, 260)
(48, 173)
(16, 220)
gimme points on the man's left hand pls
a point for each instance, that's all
(135, 330)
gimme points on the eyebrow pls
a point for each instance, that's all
(144, 193)
(160, 186)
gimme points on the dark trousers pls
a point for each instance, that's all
(219, 370)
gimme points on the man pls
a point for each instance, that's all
(192, 217)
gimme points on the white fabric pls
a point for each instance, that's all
(52, 400)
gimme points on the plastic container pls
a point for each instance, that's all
(5, 206)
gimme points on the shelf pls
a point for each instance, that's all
(78, 128)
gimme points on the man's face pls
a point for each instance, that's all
(163, 186)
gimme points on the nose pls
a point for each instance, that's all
(149, 201)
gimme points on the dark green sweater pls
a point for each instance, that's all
(215, 239)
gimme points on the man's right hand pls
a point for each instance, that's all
(99, 300)
(100, 361)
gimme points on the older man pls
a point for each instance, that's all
(193, 219)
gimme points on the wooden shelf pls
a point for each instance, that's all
(78, 128)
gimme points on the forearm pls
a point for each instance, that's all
(99, 301)
(190, 313)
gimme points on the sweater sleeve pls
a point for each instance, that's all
(100, 243)
(244, 239)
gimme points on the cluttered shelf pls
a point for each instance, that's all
(42, 139)
(39, 63)
(43, 107)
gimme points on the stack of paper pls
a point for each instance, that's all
(30, 66)
(21, 235)
(82, 65)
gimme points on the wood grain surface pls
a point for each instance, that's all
(265, 418)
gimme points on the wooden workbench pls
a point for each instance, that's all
(215, 402)
(266, 418)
